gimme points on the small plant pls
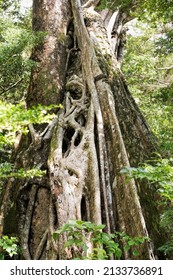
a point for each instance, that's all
(86, 240)
(8, 246)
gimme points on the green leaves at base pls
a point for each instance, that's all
(87, 241)
(8, 246)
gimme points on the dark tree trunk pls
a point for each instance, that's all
(99, 131)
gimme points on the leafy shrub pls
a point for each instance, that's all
(87, 241)
(8, 247)
(162, 174)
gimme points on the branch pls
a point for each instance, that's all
(47, 133)
(12, 86)
(166, 68)
(36, 137)
(111, 24)
(90, 3)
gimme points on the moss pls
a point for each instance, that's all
(105, 64)
(45, 91)
(62, 38)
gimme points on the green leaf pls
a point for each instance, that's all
(1, 256)
(118, 253)
(135, 253)
(131, 242)
(56, 234)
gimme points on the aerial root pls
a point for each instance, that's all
(28, 221)
(41, 245)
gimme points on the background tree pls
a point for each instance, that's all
(99, 131)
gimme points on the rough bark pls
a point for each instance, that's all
(99, 130)
(51, 18)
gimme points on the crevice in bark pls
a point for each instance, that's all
(84, 209)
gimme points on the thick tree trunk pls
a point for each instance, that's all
(99, 131)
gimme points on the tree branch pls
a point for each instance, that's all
(12, 86)
(90, 3)
(166, 68)
(36, 137)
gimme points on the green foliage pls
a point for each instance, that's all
(124, 4)
(16, 65)
(149, 73)
(10, 6)
(88, 241)
(16, 118)
(8, 246)
(7, 170)
(161, 173)
(104, 4)
(113, 5)
(156, 9)
(140, 60)
(164, 44)
(16, 43)
(159, 13)
(149, 76)
(167, 226)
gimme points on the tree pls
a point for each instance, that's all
(99, 131)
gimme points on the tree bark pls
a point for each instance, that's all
(99, 131)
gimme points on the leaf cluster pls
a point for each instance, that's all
(15, 48)
(124, 5)
(15, 117)
(149, 76)
(7, 170)
(8, 246)
(88, 241)
(156, 9)
(164, 44)
(161, 173)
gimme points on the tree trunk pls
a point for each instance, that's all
(99, 131)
